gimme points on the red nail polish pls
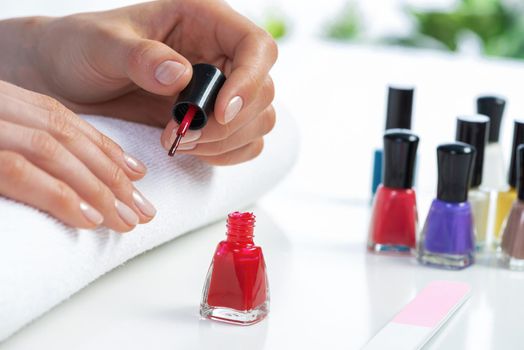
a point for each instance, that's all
(394, 219)
(236, 289)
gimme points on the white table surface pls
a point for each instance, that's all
(326, 291)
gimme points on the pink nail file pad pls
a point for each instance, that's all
(412, 327)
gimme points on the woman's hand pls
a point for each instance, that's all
(132, 62)
(53, 160)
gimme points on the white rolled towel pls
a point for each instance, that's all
(43, 262)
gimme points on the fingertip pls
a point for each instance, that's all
(127, 215)
(123, 231)
(166, 137)
(233, 107)
(168, 72)
(93, 216)
(146, 219)
(144, 206)
(229, 105)
(173, 75)
(156, 67)
(135, 168)
(134, 176)
(238, 92)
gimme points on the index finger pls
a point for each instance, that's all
(253, 55)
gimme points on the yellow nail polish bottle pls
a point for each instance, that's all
(504, 202)
(506, 198)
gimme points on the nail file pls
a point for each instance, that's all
(414, 326)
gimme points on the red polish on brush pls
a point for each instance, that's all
(236, 289)
(394, 218)
(197, 101)
(182, 129)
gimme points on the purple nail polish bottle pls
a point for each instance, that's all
(448, 240)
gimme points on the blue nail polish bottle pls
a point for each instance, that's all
(398, 116)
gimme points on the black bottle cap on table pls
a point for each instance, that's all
(400, 152)
(454, 162)
(493, 108)
(520, 172)
(201, 92)
(473, 130)
(400, 108)
(518, 138)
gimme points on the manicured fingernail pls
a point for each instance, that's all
(233, 107)
(143, 204)
(127, 214)
(168, 72)
(91, 213)
(134, 164)
(191, 136)
(187, 147)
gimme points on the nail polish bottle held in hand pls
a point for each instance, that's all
(494, 172)
(197, 101)
(506, 198)
(236, 289)
(447, 239)
(398, 116)
(473, 130)
(394, 219)
(513, 238)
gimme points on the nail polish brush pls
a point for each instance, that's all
(197, 101)
(182, 129)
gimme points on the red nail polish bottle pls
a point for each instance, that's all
(236, 289)
(394, 218)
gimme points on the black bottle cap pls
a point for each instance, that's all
(473, 130)
(493, 107)
(400, 108)
(454, 162)
(201, 92)
(400, 152)
(520, 172)
(518, 138)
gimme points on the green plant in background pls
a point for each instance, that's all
(346, 26)
(276, 25)
(498, 25)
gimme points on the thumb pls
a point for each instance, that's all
(154, 66)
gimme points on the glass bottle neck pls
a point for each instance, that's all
(239, 239)
(240, 227)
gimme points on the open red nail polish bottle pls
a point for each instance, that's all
(394, 218)
(236, 289)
